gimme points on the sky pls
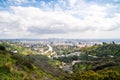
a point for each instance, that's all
(76, 19)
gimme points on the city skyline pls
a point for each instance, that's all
(75, 19)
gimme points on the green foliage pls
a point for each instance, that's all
(60, 49)
(102, 50)
(91, 75)
(68, 59)
(99, 57)
(39, 67)
(2, 48)
(28, 67)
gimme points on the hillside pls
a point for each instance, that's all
(30, 67)
(99, 62)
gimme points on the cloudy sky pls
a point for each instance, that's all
(60, 19)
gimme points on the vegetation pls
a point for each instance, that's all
(91, 75)
(68, 59)
(99, 62)
(28, 67)
(101, 56)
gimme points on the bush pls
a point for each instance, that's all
(2, 48)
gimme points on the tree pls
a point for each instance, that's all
(2, 48)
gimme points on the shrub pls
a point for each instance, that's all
(2, 48)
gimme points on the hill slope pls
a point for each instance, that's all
(31, 67)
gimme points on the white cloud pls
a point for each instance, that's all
(77, 20)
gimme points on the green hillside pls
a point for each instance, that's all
(99, 62)
(30, 67)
